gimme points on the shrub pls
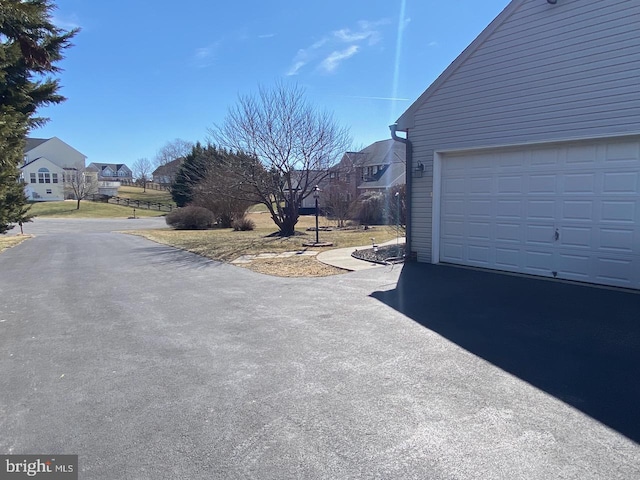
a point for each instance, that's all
(243, 224)
(370, 209)
(191, 218)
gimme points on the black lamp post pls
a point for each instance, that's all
(316, 195)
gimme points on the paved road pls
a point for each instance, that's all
(152, 363)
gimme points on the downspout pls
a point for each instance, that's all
(409, 182)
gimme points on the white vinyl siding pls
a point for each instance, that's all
(546, 73)
(549, 72)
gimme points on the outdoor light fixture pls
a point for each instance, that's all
(419, 170)
(316, 196)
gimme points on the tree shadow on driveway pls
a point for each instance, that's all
(579, 343)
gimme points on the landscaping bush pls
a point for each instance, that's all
(191, 218)
(243, 224)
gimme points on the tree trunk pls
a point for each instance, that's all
(78, 207)
(288, 226)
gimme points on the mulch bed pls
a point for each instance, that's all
(385, 254)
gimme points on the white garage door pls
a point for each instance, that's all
(570, 211)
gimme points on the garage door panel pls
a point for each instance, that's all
(542, 184)
(508, 258)
(510, 185)
(622, 153)
(480, 208)
(579, 183)
(453, 228)
(570, 211)
(481, 186)
(508, 209)
(617, 240)
(582, 155)
(619, 212)
(540, 234)
(580, 210)
(614, 271)
(452, 252)
(479, 255)
(620, 182)
(574, 267)
(539, 262)
(576, 237)
(479, 231)
(544, 157)
(453, 186)
(541, 210)
(509, 233)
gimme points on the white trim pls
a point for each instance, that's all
(534, 143)
(435, 207)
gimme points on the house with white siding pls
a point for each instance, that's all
(44, 165)
(524, 155)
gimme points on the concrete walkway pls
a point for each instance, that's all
(341, 257)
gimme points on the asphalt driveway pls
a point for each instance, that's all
(153, 363)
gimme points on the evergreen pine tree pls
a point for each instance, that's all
(30, 45)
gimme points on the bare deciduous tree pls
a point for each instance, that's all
(338, 201)
(80, 184)
(173, 150)
(294, 142)
(142, 171)
(219, 192)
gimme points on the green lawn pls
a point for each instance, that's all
(88, 209)
(153, 196)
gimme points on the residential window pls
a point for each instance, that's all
(44, 176)
(33, 177)
(54, 178)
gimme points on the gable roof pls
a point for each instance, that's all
(32, 143)
(406, 120)
(116, 167)
(382, 152)
(169, 167)
(38, 160)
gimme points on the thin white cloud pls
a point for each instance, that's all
(267, 35)
(391, 99)
(331, 50)
(67, 22)
(204, 56)
(334, 59)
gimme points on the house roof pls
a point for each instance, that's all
(168, 167)
(116, 167)
(406, 120)
(32, 143)
(382, 152)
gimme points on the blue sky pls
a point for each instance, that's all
(143, 73)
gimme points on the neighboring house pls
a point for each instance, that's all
(112, 172)
(378, 167)
(165, 174)
(526, 151)
(44, 180)
(45, 161)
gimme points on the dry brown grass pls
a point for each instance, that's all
(226, 245)
(8, 242)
